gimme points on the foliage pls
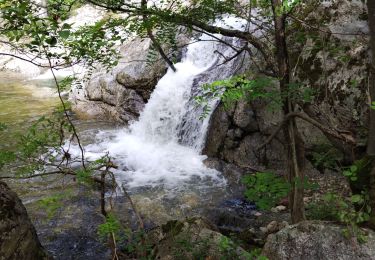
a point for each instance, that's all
(352, 212)
(351, 173)
(110, 227)
(229, 250)
(322, 210)
(131, 243)
(37, 147)
(261, 88)
(325, 157)
(265, 189)
(45, 37)
(51, 204)
(61, 9)
(236, 88)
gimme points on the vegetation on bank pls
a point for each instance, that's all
(44, 151)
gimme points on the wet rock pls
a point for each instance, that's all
(213, 163)
(317, 240)
(18, 238)
(66, 217)
(231, 215)
(234, 174)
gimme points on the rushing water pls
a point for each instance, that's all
(160, 154)
(162, 148)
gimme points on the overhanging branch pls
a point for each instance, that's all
(334, 133)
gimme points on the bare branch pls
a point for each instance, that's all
(332, 132)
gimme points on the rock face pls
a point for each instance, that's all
(336, 74)
(18, 239)
(235, 134)
(121, 94)
(317, 240)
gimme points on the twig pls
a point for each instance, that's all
(66, 113)
(154, 40)
(140, 221)
(324, 31)
(47, 174)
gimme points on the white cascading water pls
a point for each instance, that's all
(163, 147)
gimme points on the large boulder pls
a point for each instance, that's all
(194, 238)
(18, 238)
(310, 240)
(120, 95)
(235, 134)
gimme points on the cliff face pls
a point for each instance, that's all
(18, 239)
(329, 60)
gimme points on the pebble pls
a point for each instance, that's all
(280, 208)
(263, 230)
(273, 227)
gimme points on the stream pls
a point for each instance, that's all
(158, 157)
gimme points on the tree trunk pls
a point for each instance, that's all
(371, 137)
(294, 142)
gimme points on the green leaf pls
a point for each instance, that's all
(64, 34)
(356, 198)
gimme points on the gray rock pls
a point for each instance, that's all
(120, 95)
(194, 238)
(280, 208)
(244, 117)
(310, 240)
(18, 238)
(272, 227)
(219, 125)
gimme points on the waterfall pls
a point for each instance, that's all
(163, 147)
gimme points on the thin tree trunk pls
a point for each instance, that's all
(371, 137)
(293, 140)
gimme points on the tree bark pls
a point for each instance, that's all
(295, 145)
(371, 136)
